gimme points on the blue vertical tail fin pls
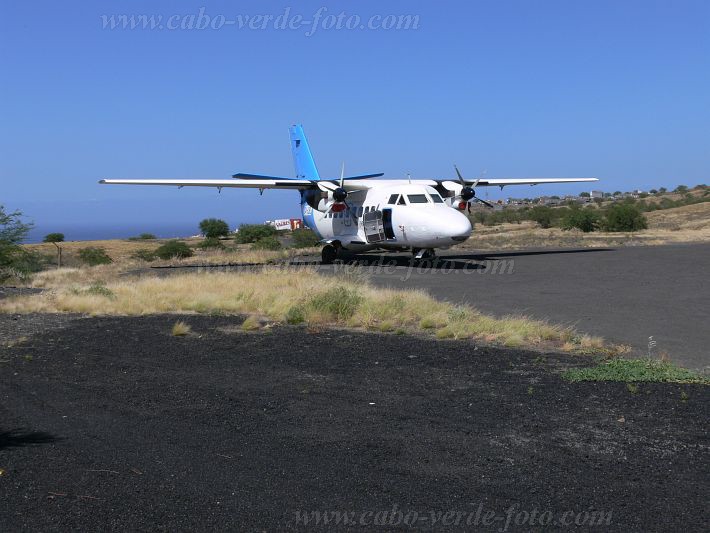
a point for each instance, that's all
(302, 157)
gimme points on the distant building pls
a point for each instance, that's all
(596, 194)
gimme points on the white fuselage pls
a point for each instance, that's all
(406, 216)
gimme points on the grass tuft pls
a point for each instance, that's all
(338, 303)
(180, 329)
(635, 371)
(251, 324)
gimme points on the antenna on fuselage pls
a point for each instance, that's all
(409, 178)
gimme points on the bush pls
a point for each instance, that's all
(94, 256)
(267, 243)
(211, 243)
(253, 232)
(174, 249)
(584, 219)
(624, 217)
(14, 260)
(214, 228)
(54, 237)
(304, 238)
(144, 255)
(143, 237)
(542, 215)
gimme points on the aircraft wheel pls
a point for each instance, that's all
(328, 254)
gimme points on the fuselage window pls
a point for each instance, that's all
(417, 198)
(437, 199)
(393, 199)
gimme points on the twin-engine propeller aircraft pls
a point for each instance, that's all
(358, 213)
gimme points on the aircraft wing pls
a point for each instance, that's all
(264, 183)
(452, 185)
(502, 182)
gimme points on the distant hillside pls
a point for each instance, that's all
(690, 217)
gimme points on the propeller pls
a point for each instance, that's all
(468, 192)
(339, 194)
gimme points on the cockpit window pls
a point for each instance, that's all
(393, 199)
(417, 198)
(401, 201)
(437, 199)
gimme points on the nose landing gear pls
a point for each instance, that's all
(420, 254)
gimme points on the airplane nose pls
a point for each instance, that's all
(458, 227)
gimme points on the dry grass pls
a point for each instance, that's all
(121, 251)
(279, 296)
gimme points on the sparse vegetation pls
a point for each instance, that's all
(174, 249)
(250, 233)
(635, 371)
(214, 228)
(94, 256)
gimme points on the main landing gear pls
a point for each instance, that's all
(329, 254)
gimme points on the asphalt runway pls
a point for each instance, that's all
(625, 295)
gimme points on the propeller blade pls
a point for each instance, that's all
(461, 180)
(326, 186)
(342, 174)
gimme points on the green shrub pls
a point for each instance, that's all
(144, 255)
(214, 228)
(542, 215)
(14, 260)
(249, 233)
(54, 237)
(143, 237)
(211, 243)
(174, 249)
(267, 243)
(584, 219)
(624, 217)
(339, 303)
(295, 315)
(304, 238)
(100, 290)
(94, 256)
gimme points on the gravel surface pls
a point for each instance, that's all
(114, 424)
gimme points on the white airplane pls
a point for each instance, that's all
(358, 213)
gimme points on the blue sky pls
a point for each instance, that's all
(614, 89)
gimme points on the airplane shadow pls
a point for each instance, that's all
(481, 256)
(17, 438)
